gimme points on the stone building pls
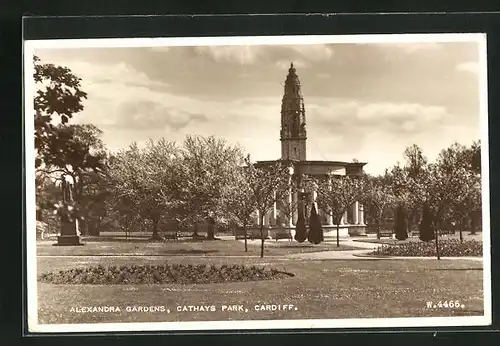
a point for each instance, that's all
(293, 136)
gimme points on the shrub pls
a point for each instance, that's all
(300, 227)
(315, 235)
(426, 231)
(447, 248)
(162, 274)
(401, 225)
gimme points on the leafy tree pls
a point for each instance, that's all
(467, 211)
(401, 225)
(315, 235)
(242, 203)
(209, 174)
(378, 198)
(426, 231)
(443, 184)
(58, 95)
(337, 194)
(288, 207)
(145, 183)
(270, 184)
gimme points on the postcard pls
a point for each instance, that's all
(267, 182)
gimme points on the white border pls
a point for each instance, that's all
(33, 326)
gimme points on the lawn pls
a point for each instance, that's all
(182, 248)
(319, 289)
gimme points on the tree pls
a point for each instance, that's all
(426, 231)
(378, 198)
(242, 203)
(300, 226)
(337, 194)
(270, 184)
(209, 174)
(76, 152)
(57, 99)
(315, 235)
(401, 225)
(58, 95)
(467, 211)
(288, 207)
(145, 182)
(443, 184)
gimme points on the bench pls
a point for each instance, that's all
(283, 234)
(173, 235)
(386, 234)
(446, 232)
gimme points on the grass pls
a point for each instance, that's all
(319, 289)
(183, 248)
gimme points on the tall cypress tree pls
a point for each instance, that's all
(400, 225)
(315, 235)
(426, 231)
(300, 227)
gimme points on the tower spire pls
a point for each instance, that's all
(293, 122)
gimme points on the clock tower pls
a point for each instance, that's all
(293, 119)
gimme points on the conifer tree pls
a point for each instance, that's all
(300, 227)
(426, 231)
(400, 225)
(315, 235)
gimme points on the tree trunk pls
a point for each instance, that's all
(261, 235)
(245, 236)
(195, 232)
(378, 228)
(460, 231)
(211, 229)
(155, 235)
(436, 240)
(474, 222)
(338, 233)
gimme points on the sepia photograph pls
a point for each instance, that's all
(265, 182)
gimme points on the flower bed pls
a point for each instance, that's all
(161, 274)
(447, 248)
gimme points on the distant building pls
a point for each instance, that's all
(293, 136)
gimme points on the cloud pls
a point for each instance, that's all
(285, 64)
(160, 49)
(415, 47)
(469, 66)
(314, 52)
(242, 55)
(119, 73)
(150, 115)
(404, 117)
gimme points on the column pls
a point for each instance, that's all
(329, 219)
(289, 201)
(257, 216)
(361, 215)
(295, 211)
(314, 195)
(355, 212)
(343, 221)
(266, 219)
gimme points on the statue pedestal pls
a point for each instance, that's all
(69, 235)
(357, 230)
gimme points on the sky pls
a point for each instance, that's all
(363, 101)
